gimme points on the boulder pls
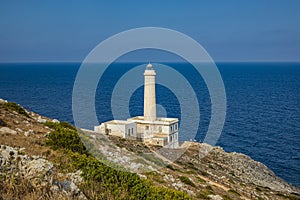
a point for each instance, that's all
(55, 121)
(4, 130)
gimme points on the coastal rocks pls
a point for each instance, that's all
(76, 177)
(215, 197)
(176, 183)
(14, 123)
(232, 168)
(249, 171)
(3, 101)
(5, 130)
(131, 161)
(54, 121)
(37, 166)
(41, 120)
(29, 132)
(39, 173)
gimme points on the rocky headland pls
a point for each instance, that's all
(42, 158)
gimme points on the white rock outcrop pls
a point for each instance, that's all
(4, 130)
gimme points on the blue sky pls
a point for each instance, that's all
(230, 30)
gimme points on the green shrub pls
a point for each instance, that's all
(67, 125)
(234, 192)
(51, 124)
(204, 194)
(170, 167)
(201, 180)
(225, 197)
(186, 181)
(12, 106)
(65, 138)
(102, 181)
(231, 181)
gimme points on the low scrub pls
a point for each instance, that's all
(102, 181)
(187, 181)
(12, 106)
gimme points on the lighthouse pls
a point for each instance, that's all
(150, 129)
(149, 94)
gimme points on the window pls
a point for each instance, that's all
(175, 126)
(160, 129)
(171, 129)
(157, 142)
(131, 130)
(147, 127)
(171, 138)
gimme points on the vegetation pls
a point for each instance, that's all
(225, 197)
(187, 181)
(231, 181)
(234, 192)
(65, 137)
(102, 181)
(2, 122)
(204, 194)
(201, 180)
(152, 158)
(12, 106)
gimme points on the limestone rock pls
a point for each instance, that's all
(39, 172)
(29, 132)
(55, 121)
(41, 120)
(215, 197)
(4, 130)
(3, 101)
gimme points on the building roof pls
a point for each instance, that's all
(158, 121)
(120, 122)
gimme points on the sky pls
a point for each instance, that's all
(229, 30)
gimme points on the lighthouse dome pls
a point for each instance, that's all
(149, 67)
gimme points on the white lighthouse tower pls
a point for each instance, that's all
(149, 94)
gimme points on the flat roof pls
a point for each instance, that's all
(159, 120)
(160, 135)
(124, 122)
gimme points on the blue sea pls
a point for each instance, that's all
(263, 104)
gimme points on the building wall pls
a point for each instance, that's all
(130, 130)
(117, 129)
(143, 132)
(157, 128)
(148, 130)
(159, 141)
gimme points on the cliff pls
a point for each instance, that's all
(42, 158)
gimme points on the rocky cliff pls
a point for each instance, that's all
(42, 158)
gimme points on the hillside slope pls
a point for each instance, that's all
(41, 158)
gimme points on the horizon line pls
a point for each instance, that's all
(220, 61)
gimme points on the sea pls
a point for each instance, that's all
(262, 115)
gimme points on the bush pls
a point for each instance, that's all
(12, 106)
(65, 138)
(102, 181)
(187, 181)
(234, 192)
